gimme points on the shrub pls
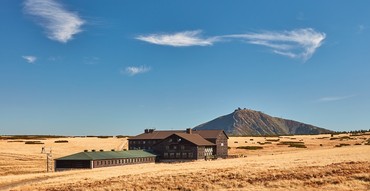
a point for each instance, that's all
(297, 145)
(342, 144)
(33, 142)
(273, 140)
(290, 142)
(61, 141)
(250, 147)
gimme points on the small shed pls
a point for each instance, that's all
(97, 159)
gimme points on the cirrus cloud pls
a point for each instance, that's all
(335, 98)
(134, 70)
(59, 23)
(186, 38)
(30, 59)
(297, 43)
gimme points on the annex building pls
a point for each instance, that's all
(96, 159)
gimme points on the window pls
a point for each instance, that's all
(167, 147)
(175, 147)
(172, 155)
(184, 155)
(182, 147)
(178, 155)
(165, 155)
(170, 140)
(222, 144)
(153, 141)
(190, 155)
(143, 142)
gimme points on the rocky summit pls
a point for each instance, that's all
(250, 122)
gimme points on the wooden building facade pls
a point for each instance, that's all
(193, 144)
(183, 147)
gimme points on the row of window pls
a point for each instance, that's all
(124, 161)
(178, 155)
(140, 148)
(174, 147)
(143, 142)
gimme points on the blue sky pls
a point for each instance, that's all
(118, 67)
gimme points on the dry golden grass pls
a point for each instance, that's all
(21, 158)
(275, 167)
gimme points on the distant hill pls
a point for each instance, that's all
(250, 122)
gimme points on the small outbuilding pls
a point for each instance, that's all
(97, 159)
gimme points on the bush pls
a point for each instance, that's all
(297, 145)
(61, 141)
(273, 140)
(33, 142)
(250, 147)
(342, 144)
(290, 142)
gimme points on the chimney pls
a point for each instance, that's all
(146, 131)
(189, 130)
(151, 130)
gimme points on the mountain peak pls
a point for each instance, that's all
(251, 122)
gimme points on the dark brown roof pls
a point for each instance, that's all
(195, 138)
(209, 134)
(155, 135)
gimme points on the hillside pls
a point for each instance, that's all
(250, 122)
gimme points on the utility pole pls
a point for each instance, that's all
(49, 161)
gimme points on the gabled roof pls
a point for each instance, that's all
(155, 135)
(195, 139)
(209, 134)
(101, 155)
(158, 135)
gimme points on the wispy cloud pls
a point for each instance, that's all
(59, 23)
(134, 70)
(361, 29)
(335, 98)
(91, 60)
(30, 59)
(298, 43)
(186, 38)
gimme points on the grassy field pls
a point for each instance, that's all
(341, 162)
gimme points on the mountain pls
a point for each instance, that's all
(250, 122)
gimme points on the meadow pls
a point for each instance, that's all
(324, 162)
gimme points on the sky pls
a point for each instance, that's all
(73, 67)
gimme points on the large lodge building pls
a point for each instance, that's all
(153, 146)
(182, 145)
